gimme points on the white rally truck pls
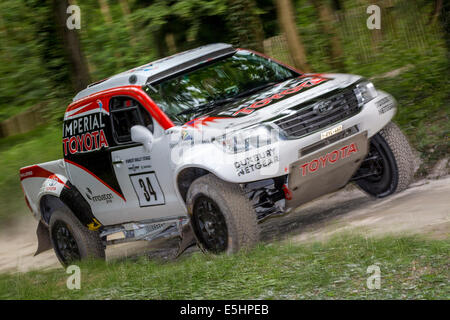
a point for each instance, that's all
(206, 145)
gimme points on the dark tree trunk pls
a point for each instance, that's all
(337, 5)
(334, 46)
(245, 24)
(72, 46)
(445, 22)
(286, 19)
(438, 4)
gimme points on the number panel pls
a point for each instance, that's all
(147, 188)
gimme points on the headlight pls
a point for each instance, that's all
(365, 91)
(248, 139)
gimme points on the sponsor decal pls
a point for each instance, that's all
(202, 121)
(138, 163)
(100, 104)
(107, 197)
(330, 158)
(185, 136)
(26, 174)
(384, 105)
(256, 162)
(84, 134)
(308, 82)
(51, 182)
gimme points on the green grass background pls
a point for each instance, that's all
(411, 268)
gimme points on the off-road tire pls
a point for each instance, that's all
(240, 217)
(398, 153)
(89, 244)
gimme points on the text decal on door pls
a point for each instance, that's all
(147, 189)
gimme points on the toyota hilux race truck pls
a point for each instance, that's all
(206, 145)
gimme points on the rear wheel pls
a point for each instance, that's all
(71, 240)
(222, 217)
(389, 166)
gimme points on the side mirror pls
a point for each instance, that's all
(142, 135)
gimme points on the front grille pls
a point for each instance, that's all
(307, 120)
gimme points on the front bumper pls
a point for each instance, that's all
(326, 170)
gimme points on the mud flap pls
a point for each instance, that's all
(187, 239)
(43, 236)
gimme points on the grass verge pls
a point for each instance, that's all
(411, 268)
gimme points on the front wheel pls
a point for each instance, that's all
(71, 240)
(389, 165)
(222, 217)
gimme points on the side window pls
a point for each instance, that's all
(125, 113)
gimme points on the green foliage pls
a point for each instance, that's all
(411, 268)
(26, 75)
(40, 145)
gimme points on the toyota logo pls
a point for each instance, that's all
(323, 107)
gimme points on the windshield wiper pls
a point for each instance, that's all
(207, 106)
(212, 104)
(255, 89)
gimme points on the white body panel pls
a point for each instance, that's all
(210, 157)
(46, 178)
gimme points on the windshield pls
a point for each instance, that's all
(202, 89)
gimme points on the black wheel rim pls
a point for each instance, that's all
(65, 244)
(376, 164)
(377, 174)
(210, 225)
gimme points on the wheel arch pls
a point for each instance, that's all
(186, 177)
(71, 198)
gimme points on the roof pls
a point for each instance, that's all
(159, 69)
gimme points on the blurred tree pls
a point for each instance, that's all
(337, 5)
(245, 24)
(445, 21)
(327, 25)
(438, 6)
(106, 12)
(72, 46)
(126, 14)
(288, 26)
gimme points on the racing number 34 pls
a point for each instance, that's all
(150, 191)
(147, 189)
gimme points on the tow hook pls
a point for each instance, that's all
(287, 192)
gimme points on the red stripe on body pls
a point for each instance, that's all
(135, 92)
(34, 172)
(39, 172)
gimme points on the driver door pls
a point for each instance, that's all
(145, 177)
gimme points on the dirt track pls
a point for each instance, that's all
(424, 208)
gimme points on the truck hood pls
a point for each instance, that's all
(266, 105)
